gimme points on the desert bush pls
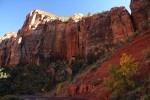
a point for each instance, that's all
(121, 79)
(91, 58)
(96, 82)
(89, 14)
(130, 38)
(135, 33)
(146, 55)
(101, 56)
(59, 87)
(145, 97)
(9, 97)
(76, 65)
(145, 24)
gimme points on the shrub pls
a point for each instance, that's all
(101, 56)
(130, 38)
(91, 58)
(27, 79)
(121, 79)
(135, 33)
(96, 82)
(89, 14)
(146, 55)
(59, 86)
(9, 97)
(76, 65)
(145, 97)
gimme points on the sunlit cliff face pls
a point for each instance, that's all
(8, 35)
(49, 37)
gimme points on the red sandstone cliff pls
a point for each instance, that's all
(140, 12)
(45, 37)
(5, 47)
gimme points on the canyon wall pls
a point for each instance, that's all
(140, 12)
(45, 37)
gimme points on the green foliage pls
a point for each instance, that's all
(135, 33)
(146, 55)
(146, 24)
(27, 79)
(30, 79)
(76, 65)
(92, 58)
(96, 82)
(4, 83)
(122, 84)
(9, 97)
(89, 14)
(59, 87)
(130, 38)
(61, 65)
(145, 97)
(121, 79)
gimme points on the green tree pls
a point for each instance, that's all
(27, 79)
(121, 79)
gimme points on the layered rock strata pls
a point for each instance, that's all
(140, 12)
(45, 37)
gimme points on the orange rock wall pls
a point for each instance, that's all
(45, 37)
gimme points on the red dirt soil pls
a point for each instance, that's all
(133, 48)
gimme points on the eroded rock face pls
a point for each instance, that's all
(102, 31)
(45, 37)
(5, 47)
(16, 52)
(33, 19)
(140, 12)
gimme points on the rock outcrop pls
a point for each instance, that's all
(80, 89)
(45, 37)
(5, 47)
(102, 31)
(48, 38)
(140, 12)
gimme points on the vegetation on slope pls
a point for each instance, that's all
(122, 82)
(30, 79)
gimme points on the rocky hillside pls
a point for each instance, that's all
(90, 83)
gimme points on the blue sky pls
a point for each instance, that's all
(13, 12)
